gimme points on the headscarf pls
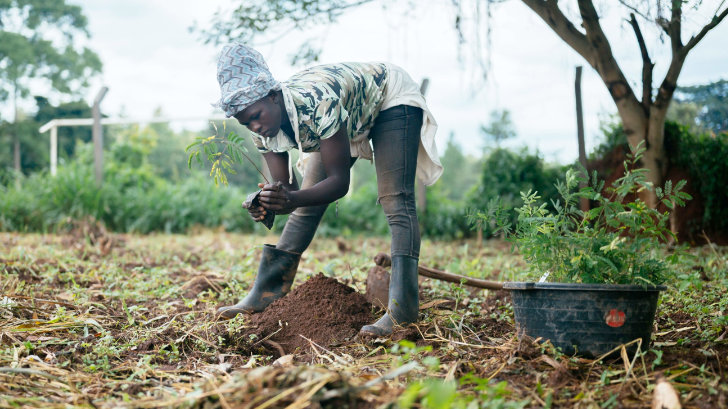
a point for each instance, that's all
(243, 77)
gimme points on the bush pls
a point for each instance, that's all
(131, 199)
(704, 156)
(507, 173)
(357, 213)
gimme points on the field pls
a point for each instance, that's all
(91, 319)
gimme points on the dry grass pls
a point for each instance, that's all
(130, 324)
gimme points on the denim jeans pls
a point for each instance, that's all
(395, 137)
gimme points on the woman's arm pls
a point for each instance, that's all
(278, 166)
(335, 155)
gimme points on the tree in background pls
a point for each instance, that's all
(461, 172)
(38, 44)
(500, 127)
(703, 107)
(69, 137)
(643, 117)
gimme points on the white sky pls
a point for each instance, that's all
(152, 60)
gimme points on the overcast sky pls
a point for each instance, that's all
(152, 60)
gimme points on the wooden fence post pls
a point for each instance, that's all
(98, 137)
(584, 203)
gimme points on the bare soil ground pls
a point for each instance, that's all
(128, 321)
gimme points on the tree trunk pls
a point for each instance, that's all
(650, 132)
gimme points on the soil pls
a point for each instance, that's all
(321, 309)
(203, 282)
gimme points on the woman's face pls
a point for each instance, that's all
(263, 116)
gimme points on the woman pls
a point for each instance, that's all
(330, 113)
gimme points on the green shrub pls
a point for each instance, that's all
(705, 157)
(357, 213)
(131, 199)
(507, 173)
(702, 155)
(616, 242)
(444, 218)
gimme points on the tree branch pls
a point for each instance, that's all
(550, 13)
(605, 63)
(634, 10)
(717, 18)
(680, 52)
(647, 65)
(675, 27)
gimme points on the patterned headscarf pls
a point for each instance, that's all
(243, 77)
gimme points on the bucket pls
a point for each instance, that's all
(585, 319)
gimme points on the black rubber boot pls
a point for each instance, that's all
(403, 304)
(275, 277)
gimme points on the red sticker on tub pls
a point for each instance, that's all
(615, 318)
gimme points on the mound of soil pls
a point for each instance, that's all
(321, 309)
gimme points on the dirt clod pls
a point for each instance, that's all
(322, 309)
(378, 286)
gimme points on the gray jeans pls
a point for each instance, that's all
(396, 139)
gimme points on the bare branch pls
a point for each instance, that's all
(634, 10)
(604, 61)
(550, 13)
(717, 18)
(667, 88)
(674, 29)
(647, 65)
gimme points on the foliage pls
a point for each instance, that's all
(704, 157)
(615, 242)
(708, 106)
(500, 127)
(506, 173)
(250, 19)
(612, 136)
(223, 152)
(68, 136)
(131, 199)
(356, 213)
(444, 217)
(461, 172)
(700, 154)
(38, 42)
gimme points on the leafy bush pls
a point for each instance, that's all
(616, 242)
(131, 199)
(704, 156)
(357, 213)
(506, 173)
(444, 218)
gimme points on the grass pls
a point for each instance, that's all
(97, 320)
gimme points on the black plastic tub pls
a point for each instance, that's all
(585, 319)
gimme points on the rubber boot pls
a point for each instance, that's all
(275, 276)
(403, 304)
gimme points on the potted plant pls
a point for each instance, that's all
(605, 266)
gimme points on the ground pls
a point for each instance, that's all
(91, 319)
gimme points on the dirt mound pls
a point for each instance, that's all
(322, 309)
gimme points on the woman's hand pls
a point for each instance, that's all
(276, 197)
(256, 211)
